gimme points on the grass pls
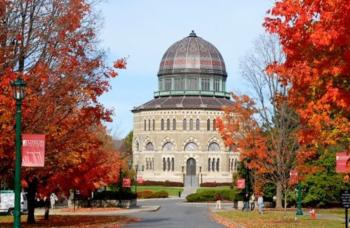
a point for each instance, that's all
(172, 191)
(70, 221)
(213, 188)
(333, 211)
(275, 219)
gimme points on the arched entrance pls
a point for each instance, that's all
(191, 178)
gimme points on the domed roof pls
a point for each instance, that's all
(192, 55)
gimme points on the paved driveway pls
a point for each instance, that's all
(174, 213)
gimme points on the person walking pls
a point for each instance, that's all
(261, 204)
(252, 202)
(218, 199)
(245, 202)
(53, 199)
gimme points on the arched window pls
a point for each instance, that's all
(168, 124)
(218, 164)
(208, 125)
(164, 164)
(213, 164)
(149, 146)
(236, 165)
(191, 124)
(152, 163)
(184, 125)
(168, 146)
(137, 146)
(146, 164)
(214, 124)
(149, 125)
(168, 164)
(162, 125)
(172, 164)
(209, 164)
(191, 146)
(197, 125)
(154, 125)
(214, 147)
(144, 125)
(174, 124)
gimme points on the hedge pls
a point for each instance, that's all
(149, 194)
(162, 183)
(210, 195)
(214, 184)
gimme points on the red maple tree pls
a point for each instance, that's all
(52, 46)
(315, 38)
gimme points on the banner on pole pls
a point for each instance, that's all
(342, 162)
(293, 176)
(126, 182)
(140, 180)
(241, 183)
(33, 150)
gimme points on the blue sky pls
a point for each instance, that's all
(142, 30)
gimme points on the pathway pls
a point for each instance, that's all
(175, 213)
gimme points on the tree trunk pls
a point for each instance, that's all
(285, 200)
(278, 195)
(32, 189)
(47, 208)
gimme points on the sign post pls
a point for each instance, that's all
(345, 201)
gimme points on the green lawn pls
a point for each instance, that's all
(276, 219)
(213, 188)
(172, 191)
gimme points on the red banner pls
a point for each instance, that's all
(33, 150)
(241, 183)
(126, 183)
(342, 162)
(293, 176)
(140, 180)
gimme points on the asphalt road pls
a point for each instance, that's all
(175, 213)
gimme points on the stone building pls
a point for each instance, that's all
(175, 137)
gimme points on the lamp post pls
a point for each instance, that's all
(18, 86)
(294, 177)
(299, 210)
(136, 169)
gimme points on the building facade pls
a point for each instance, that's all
(175, 137)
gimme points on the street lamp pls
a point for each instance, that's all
(299, 210)
(136, 170)
(294, 176)
(18, 86)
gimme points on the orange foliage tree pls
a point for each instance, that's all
(52, 46)
(264, 131)
(315, 38)
(240, 130)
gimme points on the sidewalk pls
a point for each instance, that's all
(112, 212)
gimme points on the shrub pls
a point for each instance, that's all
(162, 183)
(210, 195)
(145, 194)
(214, 184)
(160, 194)
(149, 194)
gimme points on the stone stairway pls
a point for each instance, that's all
(187, 191)
(191, 185)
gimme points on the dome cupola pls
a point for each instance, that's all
(192, 66)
